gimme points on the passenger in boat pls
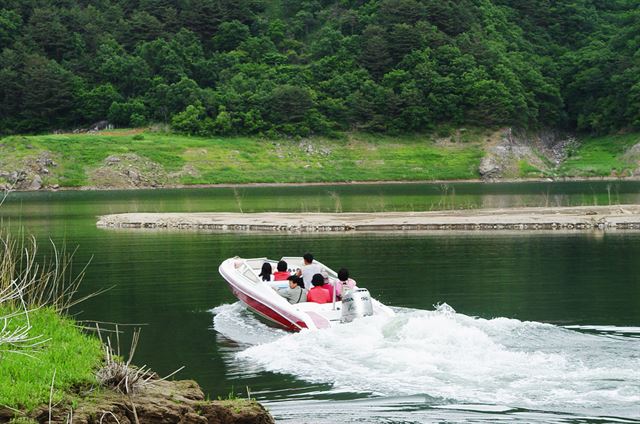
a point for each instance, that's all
(281, 274)
(344, 282)
(309, 269)
(294, 294)
(328, 285)
(318, 294)
(265, 273)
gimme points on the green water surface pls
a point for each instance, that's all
(168, 281)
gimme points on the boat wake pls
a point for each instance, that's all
(452, 358)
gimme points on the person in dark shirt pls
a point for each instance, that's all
(265, 273)
(281, 274)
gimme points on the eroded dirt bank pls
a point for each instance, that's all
(163, 402)
(621, 217)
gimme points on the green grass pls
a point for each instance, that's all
(74, 356)
(351, 157)
(348, 157)
(528, 170)
(601, 156)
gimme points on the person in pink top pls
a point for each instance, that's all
(328, 285)
(319, 293)
(344, 283)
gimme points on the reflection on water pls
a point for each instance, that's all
(320, 198)
(422, 367)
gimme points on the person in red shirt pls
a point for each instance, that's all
(281, 274)
(318, 293)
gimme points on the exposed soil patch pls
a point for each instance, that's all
(633, 156)
(128, 171)
(32, 173)
(510, 154)
(132, 131)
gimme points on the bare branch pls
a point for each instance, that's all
(53, 380)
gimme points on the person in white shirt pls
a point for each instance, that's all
(309, 269)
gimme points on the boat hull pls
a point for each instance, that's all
(242, 277)
(261, 303)
(266, 312)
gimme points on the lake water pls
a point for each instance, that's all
(515, 327)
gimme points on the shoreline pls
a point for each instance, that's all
(580, 218)
(338, 183)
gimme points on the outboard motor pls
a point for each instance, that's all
(356, 303)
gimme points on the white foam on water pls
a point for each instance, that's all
(606, 329)
(462, 359)
(237, 324)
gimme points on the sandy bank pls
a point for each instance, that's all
(621, 217)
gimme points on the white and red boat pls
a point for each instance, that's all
(260, 297)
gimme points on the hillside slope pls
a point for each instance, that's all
(137, 159)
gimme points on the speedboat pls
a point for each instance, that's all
(262, 298)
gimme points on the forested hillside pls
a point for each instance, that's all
(318, 66)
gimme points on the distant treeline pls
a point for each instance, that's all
(319, 66)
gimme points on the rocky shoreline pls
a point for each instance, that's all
(621, 217)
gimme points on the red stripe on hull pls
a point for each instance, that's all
(267, 312)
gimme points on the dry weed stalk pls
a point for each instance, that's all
(121, 375)
(52, 283)
(27, 284)
(12, 293)
(18, 338)
(105, 413)
(5, 193)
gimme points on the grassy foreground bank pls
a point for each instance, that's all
(51, 371)
(27, 375)
(134, 158)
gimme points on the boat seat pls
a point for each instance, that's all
(283, 284)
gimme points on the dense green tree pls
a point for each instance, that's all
(401, 12)
(230, 35)
(375, 55)
(289, 104)
(127, 113)
(11, 88)
(201, 17)
(451, 17)
(302, 66)
(47, 31)
(49, 94)
(162, 60)
(223, 124)
(130, 74)
(143, 26)
(190, 121)
(402, 39)
(10, 22)
(95, 103)
(164, 11)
